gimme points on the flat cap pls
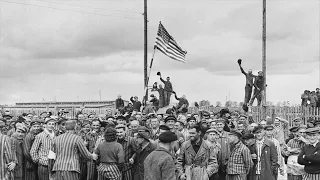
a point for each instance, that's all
(168, 137)
(257, 129)
(34, 122)
(49, 119)
(119, 126)
(235, 133)
(170, 118)
(121, 118)
(164, 127)
(212, 130)
(294, 129)
(312, 130)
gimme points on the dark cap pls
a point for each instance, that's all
(121, 118)
(34, 122)
(257, 129)
(248, 136)
(167, 137)
(164, 127)
(170, 118)
(268, 127)
(143, 135)
(191, 118)
(235, 133)
(316, 122)
(294, 129)
(312, 130)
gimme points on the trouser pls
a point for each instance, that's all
(109, 172)
(167, 96)
(257, 94)
(222, 175)
(214, 176)
(65, 175)
(236, 177)
(294, 177)
(31, 171)
(43, 172)
(161, 101)
(247, 94)
(311, 176)
(92, 171)
(83, 170)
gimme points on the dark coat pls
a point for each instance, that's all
(136, 104)
(138, 173)
(269, 161)
(119, 103)
(159, 165)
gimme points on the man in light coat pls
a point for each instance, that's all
(196, 160)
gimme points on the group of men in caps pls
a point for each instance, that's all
(168, 146)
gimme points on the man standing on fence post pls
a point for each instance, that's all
(258, 88)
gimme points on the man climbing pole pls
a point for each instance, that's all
(249, 84)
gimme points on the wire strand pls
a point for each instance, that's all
(53, 2)
(92, 13)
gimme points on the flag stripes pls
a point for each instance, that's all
(168, 46)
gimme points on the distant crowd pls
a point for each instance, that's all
(310, 98)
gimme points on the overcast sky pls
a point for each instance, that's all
(69, 54)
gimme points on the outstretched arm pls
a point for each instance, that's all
(242, 71)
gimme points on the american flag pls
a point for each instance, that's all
(168, 46)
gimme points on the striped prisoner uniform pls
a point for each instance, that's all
(92, 138)
(68, 148)
(129, 146)
(6, 156)
(31, 167)
(39, 153)
(239, 163)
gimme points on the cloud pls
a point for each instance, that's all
(46, 52)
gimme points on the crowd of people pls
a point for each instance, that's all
(310, 98)
(171, 146)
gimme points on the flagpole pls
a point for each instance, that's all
(154, 51)
(146, 48)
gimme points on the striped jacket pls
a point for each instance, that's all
(40, 148)
(68, 148)
(240, 161)
(7, 155)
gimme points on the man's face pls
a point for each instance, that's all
(170, 124)
(139, 141)
(86, 128)
(95, 125)
(263, 123)
(312, 138)
(119, 97)
(250, 72)
(318, 90)
(302, 132)
(260, 73)
(30, 116)
(212, 136)
(220, 126)
(240, 127)
(242, 119)
(50, 125)
(213, 125)
(178, 126)
(81, 117)
(134, 126)
(91, 117)
(20, 134)
(121, 121)
(192, 123)
(154, 123)
(194, 135)
(62, 126)
(232, 139)
(121, 133)
(269, 132)
(259, 135)
(35, 128)
(168, 79)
